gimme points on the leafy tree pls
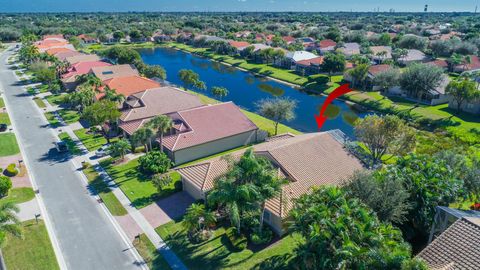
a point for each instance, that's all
(29, 53)
(143, 136)
(462, 90)
(219, 92)
(387, 79)
(340, 233)
(5, 185)
(191, 79)
(384, 135)
(83, 97)
(413, 42)
(118, 35)
(278, 110)
(161, 124)
(9, 222)
(154, 71)
(333, 63)
(160, 181)
(46, 75)
(384, 194)
(122, 55)
(101, 112)
(418, 79)
(359, 75)
(154, 162)
(119, 148)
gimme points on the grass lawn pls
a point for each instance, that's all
(19, 195)
(69, 116)
(34, 252)
(8, 145)
(55, 99)
(101, 188)
(2, 103)
(4, 119)
(72, 146)
(149, 253)
(91, 141)
(137, 186)
(217, 253)
(39, 102)
(52, 120)
(262, 122)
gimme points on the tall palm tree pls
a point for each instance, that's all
(161, 124)
(197, 218)
(89, 80)
(111, 94)
(143, 136)
(9, 222)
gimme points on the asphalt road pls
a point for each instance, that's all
(86, 237)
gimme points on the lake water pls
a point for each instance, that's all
(246, 89)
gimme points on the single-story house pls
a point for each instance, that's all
(58, 37)
(309, 66)
(45, 45)
(127, 85)
(82, 58)
(305, 161)
(110, 39)
(292, 58)
(63, 55)
(380, 53)
(474, 65)
(139, 108)
(115, 71)
(432, 97)
(472, 107)
(373, 71)
(69, 79)
(349, 49)
(412, 56)
(54, 51)
(86, 39)
(239, 45)
(326, 45)
(457, 247)
(441, 63)
(158, 37)
(288, 39)
(208, 130)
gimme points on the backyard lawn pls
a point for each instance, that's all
(4, 119)
(19, 195)
(8, 145)
(149, 253)
(100, 187)
(137, 186)
(91, 141)
(217, 253)
(34, 252)
(72, 146)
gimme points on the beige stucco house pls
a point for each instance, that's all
(306, 161)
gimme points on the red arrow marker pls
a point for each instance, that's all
(340, 91)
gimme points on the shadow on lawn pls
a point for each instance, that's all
(278, 262)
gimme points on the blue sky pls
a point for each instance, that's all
(233, 5)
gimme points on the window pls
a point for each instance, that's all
(266, 215)
(107, 72)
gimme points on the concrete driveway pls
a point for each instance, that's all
(86, 236)
(168, 209)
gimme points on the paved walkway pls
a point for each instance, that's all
(28, 210)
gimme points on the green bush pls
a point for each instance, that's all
(154, 162)
(11, 170)
(5, 185)
(238, 241)
(263, 237)
(318, 78)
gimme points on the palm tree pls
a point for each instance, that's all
(161, 124)
(111, 94)
(120, 148)
(197, 218)
(89, 80)
(83, 98)
(143, 136)
(9, 222)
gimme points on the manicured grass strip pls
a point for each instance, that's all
(69, 116)
(137, 186)
(39, 102)
(262, 122)
(55, 99)
(72, 146)
(101, 188)
(149, 253)
(4, 119)
(19, 195)
(52, 120)
(217, 253)
(8, 145)
(34, 252)
(91, 141)
(2, 103)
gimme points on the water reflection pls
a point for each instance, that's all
(350, 117)
(274, 91)
(332, 111)
(201, 64)
(250, 79)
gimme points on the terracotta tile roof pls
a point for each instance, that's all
(83, 68)
(288, 39)
(105, 73)
(474, 65)
(317, 61)
(238, 44)
(439, 63)
(57, 36)
(83, 58)
(327, 43)
(456, 248)
(54, 51)
(374, 70)
(62, 56)
(307, 160)
(207, 124)
(129, 85)
(153, 102)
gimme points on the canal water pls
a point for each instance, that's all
(246, 90)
